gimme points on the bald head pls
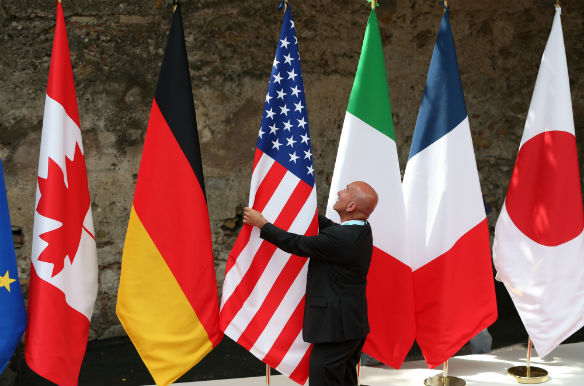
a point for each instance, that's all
(356, 201)
(365, 197)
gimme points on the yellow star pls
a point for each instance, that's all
(6, 280)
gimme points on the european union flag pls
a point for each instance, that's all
(12, 311)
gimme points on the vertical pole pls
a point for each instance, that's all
(267, 375)
(445, 373)
(527, 374)
(528, 367)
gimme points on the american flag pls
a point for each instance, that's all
(262, 305)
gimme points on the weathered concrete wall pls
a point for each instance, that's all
(116, 51)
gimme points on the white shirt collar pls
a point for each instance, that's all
(354, 222)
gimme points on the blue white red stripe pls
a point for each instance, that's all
(447, 228)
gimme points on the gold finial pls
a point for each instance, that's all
(557, 3)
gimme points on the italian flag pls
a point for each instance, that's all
(367, 152)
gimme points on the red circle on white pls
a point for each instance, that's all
(544, 199)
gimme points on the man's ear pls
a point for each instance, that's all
(351, 207)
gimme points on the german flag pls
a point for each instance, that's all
(167, 299)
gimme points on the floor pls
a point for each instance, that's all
(565, 366)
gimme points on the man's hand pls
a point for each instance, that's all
(253, 217)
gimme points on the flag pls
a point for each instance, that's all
(539, 239)
(13, 320)
(263, 293)
(167, 299)
(447, 225)
(367, 152)
(63, 273)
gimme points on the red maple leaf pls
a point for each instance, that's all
(66, 204)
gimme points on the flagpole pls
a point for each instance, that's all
(373, 4)
(528, 373)
(285, 2)
(359, 364)
(444, 379)
(267, 374)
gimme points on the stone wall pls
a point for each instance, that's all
(116, 51)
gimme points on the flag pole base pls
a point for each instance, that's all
(536, 374)
(439, 380)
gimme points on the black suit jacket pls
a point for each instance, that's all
(336, 307)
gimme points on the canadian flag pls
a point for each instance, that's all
(63, 274)
(539, 237)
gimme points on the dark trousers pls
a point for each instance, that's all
(335, 363)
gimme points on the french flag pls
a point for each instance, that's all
(447, 226)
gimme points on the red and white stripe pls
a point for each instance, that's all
(60, 306)
(262, 305)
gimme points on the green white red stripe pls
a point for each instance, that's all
(367, 152)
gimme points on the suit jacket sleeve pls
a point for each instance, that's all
(322, 246)
(324, 222)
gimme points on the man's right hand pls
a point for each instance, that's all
(253, 217)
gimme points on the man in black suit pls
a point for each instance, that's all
(335, 311)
